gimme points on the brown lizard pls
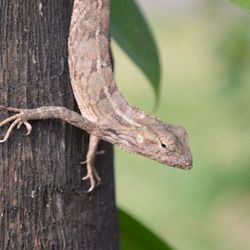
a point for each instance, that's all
(105, 114)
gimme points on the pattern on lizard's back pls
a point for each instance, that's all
(90, 66)
(89, 62)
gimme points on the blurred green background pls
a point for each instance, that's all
(204, 48)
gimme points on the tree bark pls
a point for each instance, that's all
(42, 200)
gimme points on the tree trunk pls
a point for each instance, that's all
(42, 200)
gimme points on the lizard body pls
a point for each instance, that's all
(105, 114)
(90, 67)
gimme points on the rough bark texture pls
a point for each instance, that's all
(42, 199)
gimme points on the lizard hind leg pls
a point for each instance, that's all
(92, 174)
(16, 121)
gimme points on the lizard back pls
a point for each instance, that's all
(89, 62)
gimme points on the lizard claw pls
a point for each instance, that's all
(16, 120)
(92, 175)
(27, 125)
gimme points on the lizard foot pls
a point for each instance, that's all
(16, 121)
(92, 175)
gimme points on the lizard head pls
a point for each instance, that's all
(165, 143)
(173, 146)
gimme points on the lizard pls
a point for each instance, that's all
(105, 114)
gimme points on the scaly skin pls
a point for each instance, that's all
(105, 114)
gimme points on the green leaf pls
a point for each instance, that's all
(130, 30)
(243, 3)
(135, 236)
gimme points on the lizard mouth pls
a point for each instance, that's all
(185, 164)
(181, 164)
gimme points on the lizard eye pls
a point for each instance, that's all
(167, 144)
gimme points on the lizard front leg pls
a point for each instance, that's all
(23, 115)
